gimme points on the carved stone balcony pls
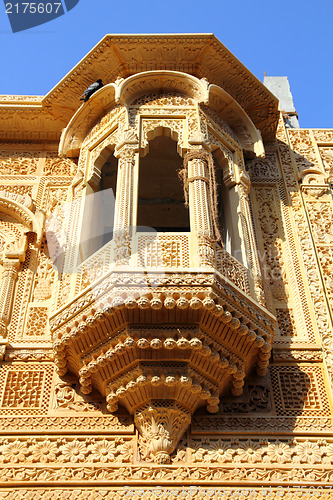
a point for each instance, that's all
(162, 343)
(163, 251)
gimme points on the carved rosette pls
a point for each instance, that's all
(161, 425)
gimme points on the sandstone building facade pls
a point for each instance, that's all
(166, 283)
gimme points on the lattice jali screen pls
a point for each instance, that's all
(25, 389)
(94, 267)
(232, 269)
(286, 322)
(163, 250)
(37, 324)
(299, 390)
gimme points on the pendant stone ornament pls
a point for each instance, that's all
(161, 425)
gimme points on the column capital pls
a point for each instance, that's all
(15, 250)
(197, 153)
(10, 265)
(199, 141)
(127, 145)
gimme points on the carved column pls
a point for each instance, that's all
(199, 203)
(123, 220)
(7, 287)
(244, 188)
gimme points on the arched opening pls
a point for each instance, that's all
(228, 210)
(98, 218)
(161, 203)
(108, 185)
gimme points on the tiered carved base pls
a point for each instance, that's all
(160, 354)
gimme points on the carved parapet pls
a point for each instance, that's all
(206, 250)
(232, 269)
(122, 247)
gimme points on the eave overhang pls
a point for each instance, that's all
(121, 56)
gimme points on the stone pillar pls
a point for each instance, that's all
(252, 254)
(7, 287)
(125, 198)
(199, 204)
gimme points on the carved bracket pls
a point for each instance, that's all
(161, 425)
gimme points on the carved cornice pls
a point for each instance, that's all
(31, 122)
(200, 55)
(21, 99)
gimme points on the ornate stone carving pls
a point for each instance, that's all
(66, 399)
(161, 425)
(264, 170)
(9, 276)
(165, 330)
(18, 163)
(25, 389)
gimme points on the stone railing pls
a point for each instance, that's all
(96, 266)
(163, 251)
(232, 269)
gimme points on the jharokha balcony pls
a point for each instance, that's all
(163, 336)
(164, 322)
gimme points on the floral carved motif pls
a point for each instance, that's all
(59, 167)
(327, 158)
(262, 170)
(272, 261)
(312, 272)
(66, 398)
(64, 450)
(161, 426)
(265, 451)
(18, 163)
(304, 151)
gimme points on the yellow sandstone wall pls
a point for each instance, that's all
(274, 441)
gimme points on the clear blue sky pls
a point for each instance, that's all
(291, 38)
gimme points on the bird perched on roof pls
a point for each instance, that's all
(91, 90)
